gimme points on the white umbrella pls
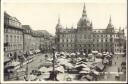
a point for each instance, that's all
(15, 63)
(95, 72)
(67, 54)
(78, 53)
(104, 54)
(63, 61)
(90, 54)
(31, 77)
(62, 53)
(72, 54)
(20, 70)
(99, 53)
(84, 54)
(86, 69)
(94, 51)
(83, 65)
(60, 69)
(43, 69)
(83, 72)
(49, 69)
(69, 65)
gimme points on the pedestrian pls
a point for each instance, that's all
(118, 69)
(115, 63)
(105, 77)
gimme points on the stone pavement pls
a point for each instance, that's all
(113, 70)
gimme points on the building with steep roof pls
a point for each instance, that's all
(13, 36)
(86, 38)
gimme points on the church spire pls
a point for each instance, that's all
(110, 21)
(58, 23)
(110, 25)
(84, 11)
(59, 20)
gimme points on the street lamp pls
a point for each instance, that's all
(53, 63)
(27, 69)
(53, 74)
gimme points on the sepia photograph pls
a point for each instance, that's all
(64, 41)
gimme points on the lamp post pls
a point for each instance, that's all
(53, 63)
(27, 70)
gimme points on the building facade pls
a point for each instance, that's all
(85, 38)
(19, 39)
(13, 36)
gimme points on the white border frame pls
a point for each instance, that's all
(52, 1)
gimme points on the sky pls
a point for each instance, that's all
(43, 15)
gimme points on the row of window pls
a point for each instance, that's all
(12, 31)
(87, 45)
(94, 45)
(118, 50)
(67, 35)
(66, 40)
(68, 45)
(87, 40)
(14, 47)
(117, 45)
(13, 38)
(89, 36)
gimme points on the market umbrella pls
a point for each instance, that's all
(32, 77)
(89, 77)
(95, 72)
(78, 53)
(86, 69)
(43, 69)
(69, 65)
(94, 51)
(84, 54)
(83, 65)
(72, 54)
(60, 69)
(15, 63)
(90, 54)
(63, 61)
(83, 71)
(21, 69)
(83, 78)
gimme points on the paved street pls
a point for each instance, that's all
(114, 68)
(37, 60)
